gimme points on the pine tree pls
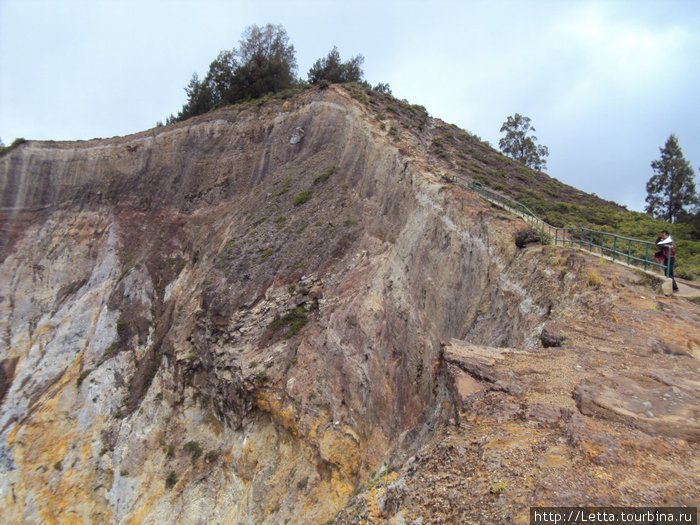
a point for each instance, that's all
(672, 187)
(333, 70)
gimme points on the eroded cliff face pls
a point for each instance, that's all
(243, 317)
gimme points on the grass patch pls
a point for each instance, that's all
(593, 279)
(281, 191)
(267, 253)
(301, 197)
(349, 222)
(259, 221)
(323, 177)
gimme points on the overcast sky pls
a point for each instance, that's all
(604, 82)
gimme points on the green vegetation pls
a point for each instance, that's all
(672, 187)
(194, 449)
(170, 452)
(294, 320)
(4, 149)
(520, 146)
(58, 465)
(264, 63)
(349, 222)
(629, 224)
(267, 253)
(122, 327)
(284, 189)
(171, 480)
(82, 377)
(292, 288)
(332, 70)
(323, 177)
(259, 221)
(301, 197)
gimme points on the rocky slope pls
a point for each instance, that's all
(282, 313)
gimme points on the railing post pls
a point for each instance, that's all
(614, 246)
(629, 251)
(646, 258)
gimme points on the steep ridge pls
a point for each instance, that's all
(242, 317)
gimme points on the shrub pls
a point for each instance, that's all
(294, 320)
(58, 465)
(194, 449)
(301, 197)
(171, 480)
(121, 327)
(267, 253)
(323, 177)
(292, 288)
(15, 143)
(349, 222)
(526, 236)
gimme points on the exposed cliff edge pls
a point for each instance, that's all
(249, 316)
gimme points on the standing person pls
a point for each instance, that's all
(667, 254)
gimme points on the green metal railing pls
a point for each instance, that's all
(634, 252)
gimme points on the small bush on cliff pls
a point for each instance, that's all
(15, 143)
(171, 480)
(194, 449)
(293, 320)
(301, 197)
(323, 177)
(526, 236)
(82, 377)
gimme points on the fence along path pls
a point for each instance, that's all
(633, 252)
